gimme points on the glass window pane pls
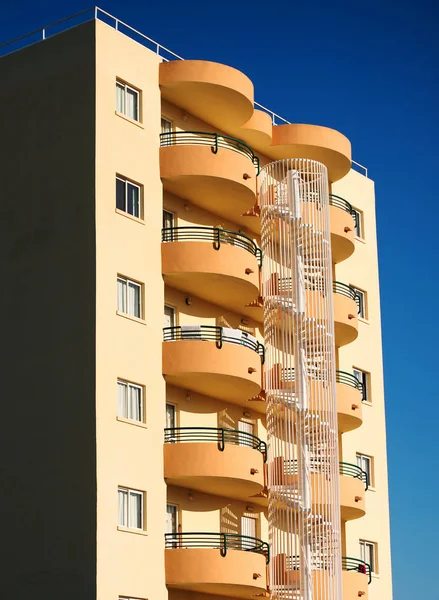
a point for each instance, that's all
(122, 401)
(120, 194)
(123, 507)
(132, 102)
(135, 510)
(120, 98)
(135, 406)
(133, 203)
(121, 295)
(134, 299)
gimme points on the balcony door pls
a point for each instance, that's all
(248, 529)
(245, 427)
(172, 525)
(169, 316)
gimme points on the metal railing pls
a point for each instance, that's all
(219, 435)
(212, 333)
(209, 138)
(348, 379)
(340, 202)
(351, 470)
(348, 291)
(321, 465)
(215, 235)
(221, 541)
(355, 564)
(90, 14)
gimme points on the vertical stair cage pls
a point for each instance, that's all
(304, 505)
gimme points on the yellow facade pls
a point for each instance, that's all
(214, 482)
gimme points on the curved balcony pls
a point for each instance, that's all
(213, 361)
(217, 265)
(322, 144)
(213, 92)
(342, 226)
(281, 382)
(216, 172)
(223, 564)
(346, 308)
(219, 461)
(353, 484)
(356, 577)
(349, 391)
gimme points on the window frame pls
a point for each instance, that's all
(359, 457)
(174, 309)
(374, 566)
(171, 124)
(131, 384)
(363, 303)
(139, 186)
(365, 381)
(131, 491)
(133, 282)
(359, 218)
(126, 86)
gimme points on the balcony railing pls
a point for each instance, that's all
(351, 470)
(355, 564)
(207, 138)
(349, 379)
(221, 541)
(220, 436)
(348, 291)
(320, 465)
(340, 202)
(213, 333)
(215, 235)
(347, 564)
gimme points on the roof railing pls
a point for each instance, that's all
(90, 14)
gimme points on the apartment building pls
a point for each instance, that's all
(194, 389)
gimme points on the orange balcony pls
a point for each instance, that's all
(346, 309)
(281, 382)
(217, 265)
(353, 485)
(215, 93)
(214, 361)
(216, 172)
(342, 227)
(349, 401)
(218, 461)
(216, 563)
(355, 576)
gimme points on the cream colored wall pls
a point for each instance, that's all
(361, 270)
(128, 563)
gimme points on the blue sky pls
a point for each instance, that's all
(370, 71)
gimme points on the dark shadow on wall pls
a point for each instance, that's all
(47, 258)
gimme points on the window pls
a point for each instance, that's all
(364, 379)
(129, 297)
(166, 125)
(129, 401)
(368, 553)
(245, 427)
(127, 100)
(361, 302)
(128, 197)
(169, 320)
(248, 529)
(168, 219)
(171, 416)
(365, 463)
(130, 508)
(358, 217)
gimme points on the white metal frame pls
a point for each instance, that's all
(363, 314)
(359, 456)
(130, 491)
(130, 384)
(373, 564)
(134, 283)
(359, 230)
(128, 182)
(125, 86)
